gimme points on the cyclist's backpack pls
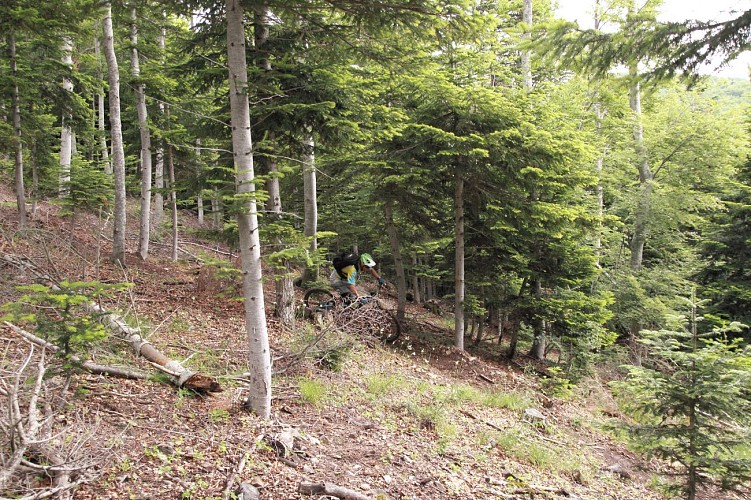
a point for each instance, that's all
(344, 259)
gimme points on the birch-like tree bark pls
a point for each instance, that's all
(639, 237)
(105, 156)
(145, 135)
(526, 55)
(284, 286)
(310, 193)
(173, 202)
(459, 260)
(159, 163)
(259, 399)
(20, 189)
(118, 152)
(66, 132)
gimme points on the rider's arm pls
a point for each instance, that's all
(376, 275)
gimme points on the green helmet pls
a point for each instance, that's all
(367, 261)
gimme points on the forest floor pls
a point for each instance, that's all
(413, 420)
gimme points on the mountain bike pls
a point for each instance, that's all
(365, 315)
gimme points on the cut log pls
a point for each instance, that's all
(179, 375)
(86, 365)
(328, 489)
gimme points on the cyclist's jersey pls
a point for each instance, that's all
(349, 273)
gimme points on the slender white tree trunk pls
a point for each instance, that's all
(66, 133)
(145, 135)
(159, 164)
(199, 196)
(217, 214)
(641, 216)
(259, 399)
(118, 153)
(416, 281)
(173, 203)
(100, 113)
(526, 55)
(20, 189)
(459, 261)
(599, 117)
(310, 224)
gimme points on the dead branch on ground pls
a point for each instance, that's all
(179, 375)
(86, 365)
(328, 489)
(32, 444)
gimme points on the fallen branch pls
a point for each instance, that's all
(328, 489)
(481, 420)
(179, 375)
(86, 365)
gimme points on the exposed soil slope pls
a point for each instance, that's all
(414, 420)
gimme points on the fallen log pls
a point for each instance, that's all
(328, 489)
(86, 365)
(178, 374)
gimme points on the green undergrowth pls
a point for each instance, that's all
(455, 417)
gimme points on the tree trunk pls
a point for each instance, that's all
(284, 284)
(401, 281)
(158, 198)
(526, 55)
(105, 156)
(173, 202)
(642, 213)
(145, 135)
(415, 281)
(538, 344)
(459, 261)
(20, 189)
(641, 216)
(310, 226)
(216, 210)
(599, 117)
(118, 153)
(259, 399)
(66, 133)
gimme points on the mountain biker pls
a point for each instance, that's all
(344, 276)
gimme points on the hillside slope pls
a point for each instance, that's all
(414, 420)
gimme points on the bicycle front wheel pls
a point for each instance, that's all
(319, 303)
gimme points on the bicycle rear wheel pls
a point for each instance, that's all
(371, 321)
(319, 304)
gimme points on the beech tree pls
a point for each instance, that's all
(145, 135)
(118, 151)
(259, 399)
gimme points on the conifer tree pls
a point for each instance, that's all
(692, 407)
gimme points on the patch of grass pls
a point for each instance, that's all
(460, 393)
(312, 391)
(378, 384)
(218, 415)
(180, 325)
(509, 400)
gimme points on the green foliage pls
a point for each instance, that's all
(89, 188)
(312, 391)
(59, 314)
(693, 407)
(557, 384)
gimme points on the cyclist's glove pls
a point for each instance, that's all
(381, 281)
